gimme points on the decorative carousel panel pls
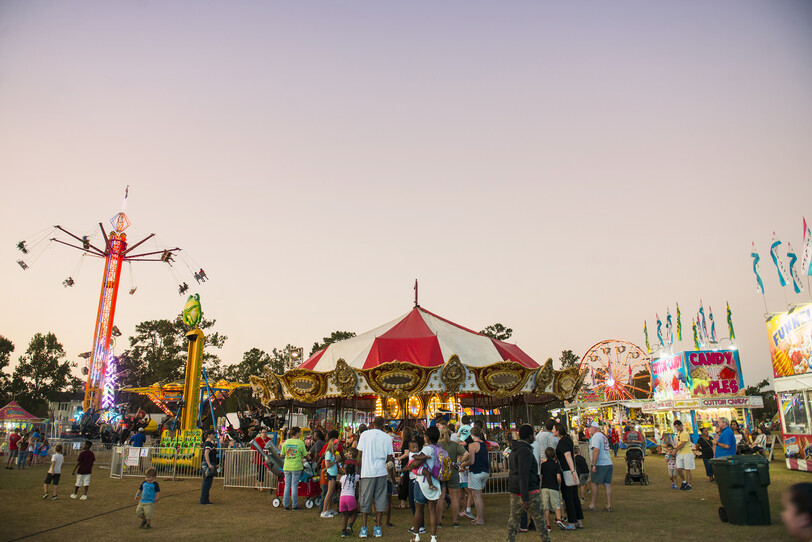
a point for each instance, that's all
(397, 379)
(304, 385)
(567, 383)
(267, 387)
(501, 379)
(453, 374)
(345, 378)
(544, 377)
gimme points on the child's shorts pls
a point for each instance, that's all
(550, 499)
(347, 503)
(583, 478)
(144, 510)
(82, 480)
(52, 479)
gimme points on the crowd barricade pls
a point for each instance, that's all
(498, 479)
(169, 462)
(239, 470)
(71, 448)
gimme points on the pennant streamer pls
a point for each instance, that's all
(713, 325)
(669, 326)
(756, 259)
(696, 337)
(731, 333)
(660, 331)
(806, 260)
(793, 269)
(704, 327)
(679, 324)
(645, 331)
(779, 265)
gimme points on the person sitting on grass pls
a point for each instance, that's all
(149, 491)
(348, 500)
(84, 466)
(54, 472)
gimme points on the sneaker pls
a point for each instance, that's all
(688, 487)
(674, 486)
(582, 500)
(45, 496)
(433, 538)
(469, 514)
(345, 533)
(422, 530)
(377, 532)
(549, 528)
(83, 498)
(561, 525)
(363, 532)
(325, 514)
(147, 526)
(143, 522)
(54, 498)
(74, 496)
(570, 528)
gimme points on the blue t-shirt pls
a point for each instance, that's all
(726, 437)
(138, 439)
(332, 470)
(148, 491)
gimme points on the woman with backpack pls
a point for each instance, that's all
(427, 488)
(456, 455)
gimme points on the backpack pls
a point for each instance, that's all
(441, 470)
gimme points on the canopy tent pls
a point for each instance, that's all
(417, 353)
(13, 412)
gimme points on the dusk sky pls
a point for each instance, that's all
(566, 169)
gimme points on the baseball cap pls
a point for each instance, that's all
(594, 424)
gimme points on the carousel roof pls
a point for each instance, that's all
(419, 337)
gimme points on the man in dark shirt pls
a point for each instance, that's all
(523, 485)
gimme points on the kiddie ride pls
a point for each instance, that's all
(182, 443)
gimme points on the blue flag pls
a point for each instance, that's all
(779, 265)
(660, 331)
(793, 269)
(756, 259)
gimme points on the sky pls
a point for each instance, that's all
(566, 169)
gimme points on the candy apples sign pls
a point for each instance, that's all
(714, 373)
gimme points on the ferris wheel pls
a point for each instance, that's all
(614, 367)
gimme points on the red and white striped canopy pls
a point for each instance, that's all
(419, 337)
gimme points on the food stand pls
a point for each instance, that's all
(790, 335)
(698, 387)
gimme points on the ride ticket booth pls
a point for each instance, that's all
(698, 387)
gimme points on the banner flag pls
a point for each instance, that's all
(704, 327)
(631, 378)
(696, 337)
(669, 327)
(645, 331)
(713, 325)
(731, 333)
(806, 256)
(756, 259)
(660, 331)
(779, 265)
(679, 324)
(793, 269)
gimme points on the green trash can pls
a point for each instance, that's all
(743, 481)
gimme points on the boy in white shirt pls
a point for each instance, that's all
(54, 472)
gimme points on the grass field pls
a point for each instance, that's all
(655, 512)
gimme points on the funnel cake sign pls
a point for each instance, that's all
(714, 372)
(669, 378)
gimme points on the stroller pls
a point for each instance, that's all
(309, 488)
(635, 461)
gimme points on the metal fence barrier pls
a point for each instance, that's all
(72, 447)
(498, 479)
(169, 462)
(239, 470)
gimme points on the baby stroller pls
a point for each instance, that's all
(635, 461)
(309, 489)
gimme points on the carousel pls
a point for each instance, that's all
(417, 365)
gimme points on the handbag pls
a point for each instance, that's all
(207, 471)
(569, 479)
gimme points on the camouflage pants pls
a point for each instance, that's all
(534, 511)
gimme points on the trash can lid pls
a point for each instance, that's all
(748, 459)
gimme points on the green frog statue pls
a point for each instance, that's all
(192, 313)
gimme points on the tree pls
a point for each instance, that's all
(253, 362)
(768, 395)
(642, 380)
(6, 348)
(497, 331)
(41, 371)
(158, 352)
(568, 359)
(334, 337)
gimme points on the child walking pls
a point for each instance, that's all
(84, 466)
(348, 501)
(54, 472)
(671, 462)
(149, 491)
(550, 489)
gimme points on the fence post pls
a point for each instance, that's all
(175, 462)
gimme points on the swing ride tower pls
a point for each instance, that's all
(101, 370)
